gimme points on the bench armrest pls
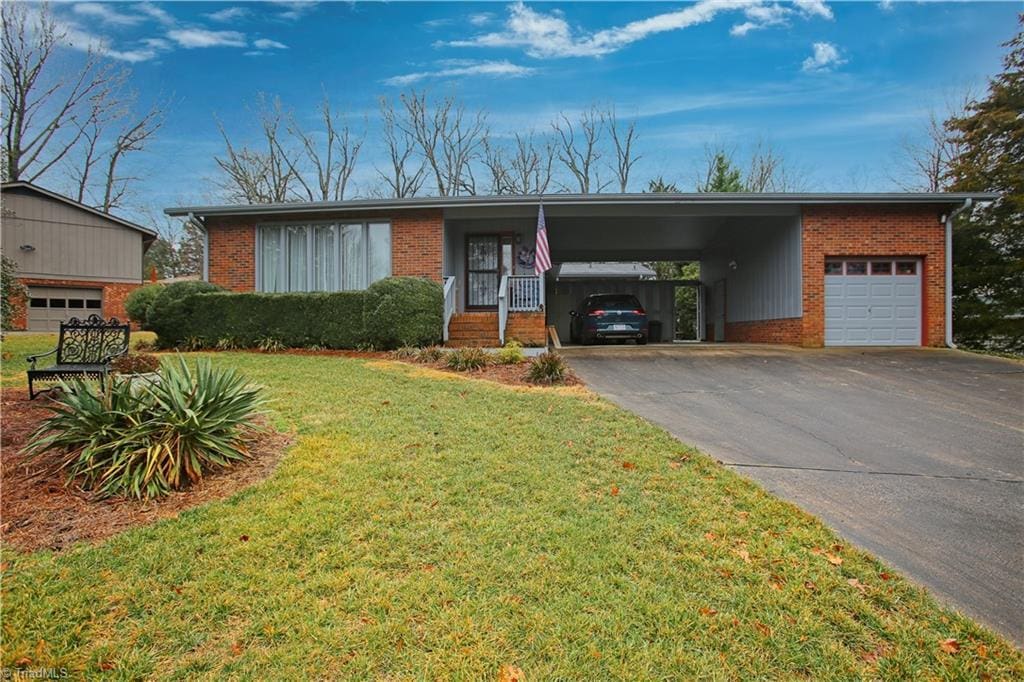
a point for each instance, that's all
(32, 358)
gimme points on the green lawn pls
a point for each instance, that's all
(426, 526)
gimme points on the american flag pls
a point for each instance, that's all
(543, 261)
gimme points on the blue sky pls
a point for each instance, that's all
(834, 86)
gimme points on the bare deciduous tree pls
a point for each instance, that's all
(405, 177)
(769, 171)
(579, 148)
(259, 176)
(924, 161)
(59, 117)
(623, 139)
(333, 162)
(449, 139)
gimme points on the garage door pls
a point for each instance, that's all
(872, 302)
(49, 306)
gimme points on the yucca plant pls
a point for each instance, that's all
(430, 354)
(147, 440)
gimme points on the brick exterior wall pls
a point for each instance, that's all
(529, 329)
(417, 245)
(114, 295)
(788, 330)
(851, 230)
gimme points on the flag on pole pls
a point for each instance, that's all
(542, 263)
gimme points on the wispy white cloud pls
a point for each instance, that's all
(460, 68)
(155, 12)
(824, 58)
(292, 10)
(887, 5)
(268, 44)
(229, 14)
(480, 18)
(106, 13)
(549, 35)
(190, 38)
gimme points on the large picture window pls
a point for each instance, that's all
(322, 257)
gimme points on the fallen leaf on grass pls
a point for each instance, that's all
(762, 628)
(982, 651)
(511, 673)
(236, 649)
(884, 576)
(775, 586)
(628, 465)
(615, 490)
(707, 611)
(833, 559)
(106, 665)
(743, 554)
(853, 582)
(244, 538)
(743, 515)
(710, 536)
(950, 646)
(23, 661)
(810, 586)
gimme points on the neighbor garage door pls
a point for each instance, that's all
(49, 306)
(872, 302)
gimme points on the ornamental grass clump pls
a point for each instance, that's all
(146, 440)
(430, 354)
(467, 359)
(547, 368)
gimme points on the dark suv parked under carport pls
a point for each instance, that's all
(601, 317)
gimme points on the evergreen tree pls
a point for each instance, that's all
(988, 242)
(722, 176)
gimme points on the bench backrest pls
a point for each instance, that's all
(91, 341)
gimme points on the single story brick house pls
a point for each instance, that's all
(74, 260)
(807, 269)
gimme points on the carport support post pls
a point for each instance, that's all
(949, 271)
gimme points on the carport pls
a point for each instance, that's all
(749, 258)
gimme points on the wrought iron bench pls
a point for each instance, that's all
(84, 349)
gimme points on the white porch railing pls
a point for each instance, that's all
(449, 305)
(502, 309)
(525, 293)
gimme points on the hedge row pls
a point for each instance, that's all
(398, 311)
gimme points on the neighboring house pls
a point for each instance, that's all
(805, 269)
(74, 260)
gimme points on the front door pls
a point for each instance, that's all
(488, 257)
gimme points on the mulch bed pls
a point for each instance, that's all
(38, 511)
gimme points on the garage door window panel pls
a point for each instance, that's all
(881, 267)
(906, 267)
(92, 303)
(856, 267)
(37, 303)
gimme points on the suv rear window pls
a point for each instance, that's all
(613, 302)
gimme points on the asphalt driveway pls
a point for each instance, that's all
(916, 455)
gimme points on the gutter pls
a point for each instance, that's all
(949, 269)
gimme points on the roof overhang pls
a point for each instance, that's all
(582, 200)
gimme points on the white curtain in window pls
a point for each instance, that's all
(324, 259)
(353, 257)
(270, 267)
(379, 245)
(297, 256)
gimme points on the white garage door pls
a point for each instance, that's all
(49, 306)
(872, 302)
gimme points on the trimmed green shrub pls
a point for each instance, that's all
(403, 311)
(138, 302)
(145, 440)
(467, 359)
(160, 317)
(547, 368)
(510, 354)
(330, 320)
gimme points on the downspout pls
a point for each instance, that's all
(949, 270)
(206, 245)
